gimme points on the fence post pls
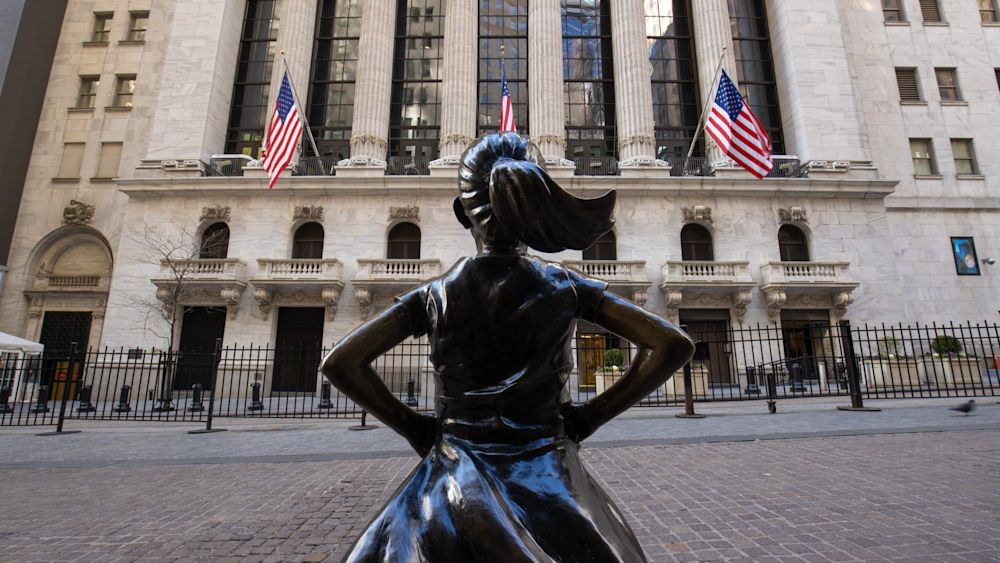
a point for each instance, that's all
(123, 398)
(853, 373)
(216, 358)
(688, 389)
(67, 383)
(772, 392)
(325, 392)
(5, 400)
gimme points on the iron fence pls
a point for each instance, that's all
(596, 166)
(316, 166)
(690, 166)
(407, 166)
(798, 359)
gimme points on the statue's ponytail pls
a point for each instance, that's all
(502, 178)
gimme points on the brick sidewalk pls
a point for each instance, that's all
(906, 497)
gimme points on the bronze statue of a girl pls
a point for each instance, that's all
(501, 478)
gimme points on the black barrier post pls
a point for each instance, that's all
(325, 392)
(42, 404)
(752, 387)
(853, 373)
(5, 400)
(689, 388)
(772, 392)
(123, 397)
(85, 393)
(411, 399)
(363, 425)
(67, 383)
(255, 402)
(216, 358)
(196, 404)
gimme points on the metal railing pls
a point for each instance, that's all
(596, 166)
(228, 164)
(407, 166)
(788, 167)
(316, 166)
(690, 166)
(730, 364)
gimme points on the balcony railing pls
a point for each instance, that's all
(700, 271)
(611, 271)
(407, 166)
(300, 268)
(597, 166)
(393, 269)
(806, 272)
(788, 167)
(74, 281)
(228, 164)
(204, 268)
(693, 166)
(316, 166)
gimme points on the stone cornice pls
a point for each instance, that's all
(627, 187)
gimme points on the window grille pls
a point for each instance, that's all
(906, 80)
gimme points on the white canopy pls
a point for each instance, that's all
(11, 343)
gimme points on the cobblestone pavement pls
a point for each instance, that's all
(922, 496)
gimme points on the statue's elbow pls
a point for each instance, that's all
(334, 366)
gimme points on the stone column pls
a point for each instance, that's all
(712, 34)
(296, 32)
(458, 99)
(191, 116)
(545, 89)
(633, 90)
(373, 89)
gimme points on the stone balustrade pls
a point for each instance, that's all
(299, 268)
(396, 269)
(611, 271)
(805, 272)
(706, 271)
(73, 282)
(204, 268)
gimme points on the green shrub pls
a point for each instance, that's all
(888, 346)
(945, 344)
(613, 358)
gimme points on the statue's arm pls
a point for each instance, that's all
(663, 349)
(348, 366)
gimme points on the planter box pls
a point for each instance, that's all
(892, 373)
(606, 378)
(936, 371)
(968, 370)
(674, 387)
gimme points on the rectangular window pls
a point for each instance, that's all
(102, 27)
(755, 66)
(88, 92)
(72, 158)
(988, 11)
(503, 23)
(252, 86)
(922, 151)
(931, 11)
(909, 89)
(124, 90)
(947, 79)
(138, 22)
(335, 71)
(674, 77)
(965, 157)
(588, 85)
(892, 10)
(111, 155)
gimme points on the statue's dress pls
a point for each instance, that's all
(502, 483)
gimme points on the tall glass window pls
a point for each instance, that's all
(334, 72)
(755, 66)
(674, 77)
(415, 120)
(503, 22)
(248, 113)
(588, 79)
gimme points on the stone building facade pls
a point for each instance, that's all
(150, 104)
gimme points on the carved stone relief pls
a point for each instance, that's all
(78, 213)
(405, 212)
(215, 212)
(699, 213)
(309, 212)
(793, 215)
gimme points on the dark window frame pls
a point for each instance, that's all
(99, 33)
(124, 90)
(248, 112)
(215, 242)
(697, 243)
(892, 11)
(793, 244)
(972, 162)
(988, 14)
(502, 24)
(603, 249)
(951, 92)
(674, 80)
(930, 158)
(333, 80)
(755, 67)
(135, 32)
(590, 123)
(87, 97)
(308, 241)
(403, 241)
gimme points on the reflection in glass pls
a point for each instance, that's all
(502, 22)
(252, 86)
(416, 80)
(334, 72)
(588, 79)
(676, 103)
(755, 66)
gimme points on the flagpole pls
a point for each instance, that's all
(302, 109)
(708, 101)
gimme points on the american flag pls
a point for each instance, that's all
(736, 130)
(283, 134)
(506, 107)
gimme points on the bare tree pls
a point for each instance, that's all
(181, 257)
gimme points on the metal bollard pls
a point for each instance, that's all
(752, 387)
(5, 400)
(364, 423)
(84, 395)
(255, 402)
(42, 405)
(123, 397)
(842, 376)
(688, 395)
(411, 398)
(325, 391)
(772, 393)
(796, 385)
(196, 405)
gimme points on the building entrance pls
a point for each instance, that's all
(711, 347)
(59, 332)
(298, 350)
(199, 330)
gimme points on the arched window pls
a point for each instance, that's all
(308, 241)
(696, 243)
(404, 242)
(215, 242)
(605, 248)
(792, 244)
